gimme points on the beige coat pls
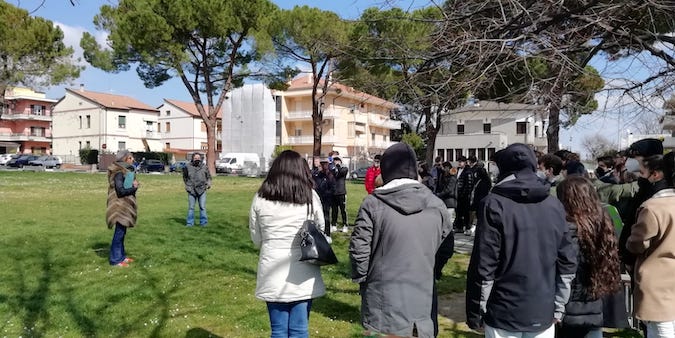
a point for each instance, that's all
(652, 239)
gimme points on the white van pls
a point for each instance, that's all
(247, 164)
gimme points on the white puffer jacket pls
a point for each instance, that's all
(281, 276)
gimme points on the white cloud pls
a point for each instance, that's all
(72, 36)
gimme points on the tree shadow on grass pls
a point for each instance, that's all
(200, 333)
(336, 310)
(101, 249)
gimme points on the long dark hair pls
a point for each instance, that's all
(595, 230)
(289, 180)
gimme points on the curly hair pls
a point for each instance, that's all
(597, 237)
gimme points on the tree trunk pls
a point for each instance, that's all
(211, 145)
(430, 132)
(553, 130)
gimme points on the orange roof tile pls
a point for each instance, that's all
(112, 101)
(189, 107)
(305, 82)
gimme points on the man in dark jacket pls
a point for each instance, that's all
(398, 230)
(523, 259)
(197, 180)
(324, 184)
(465, 185)
(339, 196)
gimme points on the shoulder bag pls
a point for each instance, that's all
(314, 246)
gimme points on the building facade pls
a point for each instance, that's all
(183, 129)
(107, 122)
(250, 122)
(354, 123)
(26, 122)
(668, 123)
(482, 128)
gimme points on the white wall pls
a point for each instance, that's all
(185, 128)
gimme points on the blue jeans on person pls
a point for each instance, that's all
(203, 219)
(117, 253)
(289, 320)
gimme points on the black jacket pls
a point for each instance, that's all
(582, 309)
(447, 190)
(523, 257)
(340, 173)
(481, 188)
(465, 183)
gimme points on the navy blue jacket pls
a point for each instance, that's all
(523, 257)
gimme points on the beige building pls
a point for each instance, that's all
(183, 129)
(107, 122)
(483, 127)
(354, 123)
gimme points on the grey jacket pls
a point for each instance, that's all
(398, 230)
(197, 179)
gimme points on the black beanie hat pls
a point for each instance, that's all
(646, 147)
(398, 161)
(514, 159)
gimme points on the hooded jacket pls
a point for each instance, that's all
(523, 258)
(397, 233)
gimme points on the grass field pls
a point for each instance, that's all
(55, 279)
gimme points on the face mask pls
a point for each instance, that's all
(196, 163)
(599, 172)
(541, 174)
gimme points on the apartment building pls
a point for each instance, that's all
(25, 122)
(668, 123)
(183, 129)
(481, 128)
(107, 122)
(354, 123)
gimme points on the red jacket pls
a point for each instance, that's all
(371, 174)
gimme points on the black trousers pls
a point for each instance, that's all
(339, 202)
(462, 214)
(326, 204)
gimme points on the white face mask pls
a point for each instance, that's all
(541, 174)
(632, 165)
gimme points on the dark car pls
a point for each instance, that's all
(151, 166)
(178, 166)
(359, 174)
(21, 161)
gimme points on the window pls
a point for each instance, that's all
(88, 121)
(121, 145)
(278, 129)
(490, 153)
(79, 144)
(481, 154)
(80, 121)
(167, 127)
(372, 137)
(148, 125)
(536, 131)
(472, 152)
(458, 153)
(385, 137)
(122, 122)
(298, 132)
(204, 146)
(487, 128)
(460, 129)
(168, 113)
(521, 128)
(450, 154)
(37, 109)
(167, 145)
(440, 153)
(277, 100)
(37, 131)
(88, 146)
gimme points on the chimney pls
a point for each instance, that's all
(81, 87)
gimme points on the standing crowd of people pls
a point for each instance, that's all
(552, 239)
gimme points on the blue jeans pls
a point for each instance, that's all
(117, 254)
(202, 209)
(289, 320)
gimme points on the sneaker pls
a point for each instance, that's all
(345, 229)
(471, 231)
(333, 228)
(128, 260)
(330, 240)
(122, 264)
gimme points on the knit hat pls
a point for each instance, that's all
(515, 159)
(646, 147)
(575, 168)
(122, 155)
(398, 161)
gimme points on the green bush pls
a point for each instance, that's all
(88, 156)
(279, 149)
(153, 155)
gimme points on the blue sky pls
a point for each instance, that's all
(74, 20)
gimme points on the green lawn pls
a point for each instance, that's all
(194, 282)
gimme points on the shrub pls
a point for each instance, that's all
(88, 156)
(153, 155)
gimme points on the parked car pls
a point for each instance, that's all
(21, 161)
(178, 166)
(239, 163)
(47, 161)
(151, 166)
(359, 174)
(4, 158)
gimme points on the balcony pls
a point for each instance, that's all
(27, 115)
(301, 115)
(40, 137)
(387, 123)
(306, 140)
(381, 144)
(152, 134)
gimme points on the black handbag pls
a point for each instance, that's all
(314, 246)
